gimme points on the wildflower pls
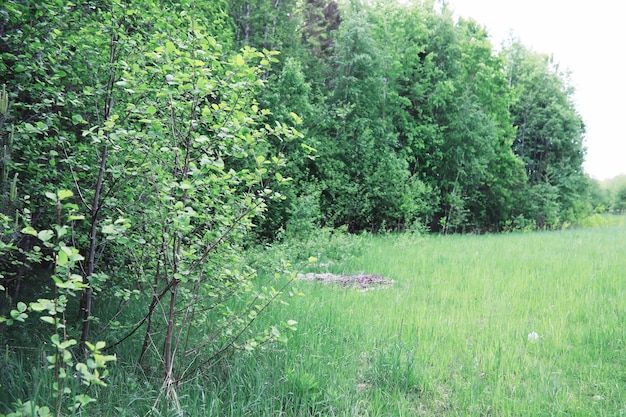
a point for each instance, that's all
(533, 337)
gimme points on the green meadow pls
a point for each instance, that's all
(521, 324)
(501, 325)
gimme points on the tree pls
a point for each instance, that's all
(616, 193)
(363, 179)
(479, 135)
(549, 136)
(447, 97)
(321, 19)
(159, 132)
(288, 94)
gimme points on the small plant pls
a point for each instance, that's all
(71, 378)
(304, 217)
(304, 394)
(393, 367)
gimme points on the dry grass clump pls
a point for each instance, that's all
(363, 281)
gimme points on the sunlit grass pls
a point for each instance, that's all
(452, 336)
(498, 325)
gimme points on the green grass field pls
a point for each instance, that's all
(502, 325)
(527, 324)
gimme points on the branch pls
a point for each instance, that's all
(230, 343)
(153, 305)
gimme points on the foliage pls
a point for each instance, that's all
(172, 125)
(612, 194)
(158, 130)
(66, 388)
(549, 137)
(209, 175)
(415, 118)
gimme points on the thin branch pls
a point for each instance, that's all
(230, 343)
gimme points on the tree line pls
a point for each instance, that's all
(416, 120)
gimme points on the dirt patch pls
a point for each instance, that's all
(363, 281)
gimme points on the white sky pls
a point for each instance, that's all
(588, 37)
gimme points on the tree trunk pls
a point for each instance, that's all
(86, 297)
(247, 26)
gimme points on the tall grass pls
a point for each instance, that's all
(454, 336)
(497, 325)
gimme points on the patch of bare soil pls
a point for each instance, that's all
(363, 281)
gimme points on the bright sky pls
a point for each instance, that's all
(588, 38)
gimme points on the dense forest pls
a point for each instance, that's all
(416, 122)
(146, 144)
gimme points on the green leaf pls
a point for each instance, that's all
(151, 110)
(169, 47)
(45, 235)
(77, 118)
(42, 126)
(67, 343)
(70, 254)
(80, 401)
(61, 230)
(62, 258)
(109, 229)
(239, 61)
(16, 315)
(44, 304)
(295, 117)
(29, 231)
(63, 194)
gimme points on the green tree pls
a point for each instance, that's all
(620, 200)
(611, 191)
(363, 178)
(321, 18)
(288, 94)
(264, 24)
(448, 99)
(157, 128)
(549, 137)
(479, 135)
(411, 80)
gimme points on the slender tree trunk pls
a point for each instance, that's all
(273, 45)
(86, 297)
(168, 348)
(93, 243)
(247, 27)
(155, 301)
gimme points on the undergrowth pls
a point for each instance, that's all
(501, 325)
